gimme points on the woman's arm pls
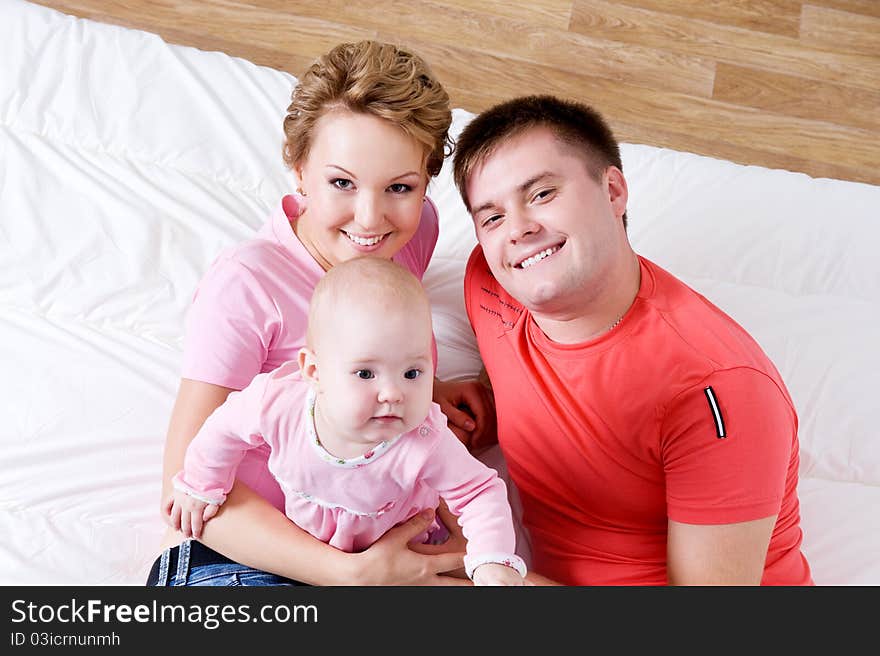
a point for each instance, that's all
(253, 532)
(195, 401)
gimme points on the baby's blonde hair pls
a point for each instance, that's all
(370, 77)
(381, 284)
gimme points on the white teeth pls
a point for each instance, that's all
(537, 257)
(361, 241)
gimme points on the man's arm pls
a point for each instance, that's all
(466, 401)
(721, 554)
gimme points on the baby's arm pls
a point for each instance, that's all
(476, 494)
(212, 459)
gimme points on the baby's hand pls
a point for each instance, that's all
(187, 514)
(497, 574)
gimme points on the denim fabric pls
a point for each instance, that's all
(216, 574)
(229, 575)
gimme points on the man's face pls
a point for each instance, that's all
(550, 232)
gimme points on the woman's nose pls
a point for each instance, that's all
(368, 213)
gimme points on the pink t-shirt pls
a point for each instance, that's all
(350, 503)
(249, 312)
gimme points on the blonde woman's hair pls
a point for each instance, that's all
(373, 78)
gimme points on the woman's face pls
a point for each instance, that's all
(365, 182)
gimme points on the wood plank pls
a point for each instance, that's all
(841, 31)
(547, 13)
(772, 16)
(864, 7)
(651, 65)
(795, 96)
(521, 41)
(628, 131)
(243, 27)
(722, 127)
(694, 142)
(618, 22)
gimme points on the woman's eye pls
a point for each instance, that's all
(412, 374)
(400, 188)
(364, 374)
(342, 183)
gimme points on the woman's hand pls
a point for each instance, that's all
(391, 561)
(469, 407)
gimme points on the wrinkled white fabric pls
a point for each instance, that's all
(127, 165)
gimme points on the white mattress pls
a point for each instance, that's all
(126, 164)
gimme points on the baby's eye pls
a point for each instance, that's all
(342, 183)
(412, 374)
(364, 374)
(400, 188)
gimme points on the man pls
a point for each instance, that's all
(650, 438)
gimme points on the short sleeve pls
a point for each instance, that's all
(416, 254)
(229, 327)
(726, 446)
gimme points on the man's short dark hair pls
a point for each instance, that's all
(574, 123)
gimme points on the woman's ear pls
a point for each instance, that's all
(298, 175)
(308, 364)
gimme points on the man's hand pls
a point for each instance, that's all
(469, 407)
(187, 514)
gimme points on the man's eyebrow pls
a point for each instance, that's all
(521, 188)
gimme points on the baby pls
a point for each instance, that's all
(355, 441)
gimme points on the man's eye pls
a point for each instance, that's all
(544, 193)
(342, 183)
(400, 188)
(490, 220)
(412, 374)
(364, 374)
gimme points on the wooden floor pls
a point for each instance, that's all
(778, 83)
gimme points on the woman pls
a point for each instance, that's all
(366, 129)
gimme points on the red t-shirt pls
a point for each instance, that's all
(676, 414)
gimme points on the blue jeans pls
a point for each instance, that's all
(193, 564)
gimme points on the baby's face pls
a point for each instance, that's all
(375, 372)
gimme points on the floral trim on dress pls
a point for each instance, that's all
(335, 506)
(472, 562)
(326, 456)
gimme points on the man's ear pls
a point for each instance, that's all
(618, 193)
(308, 364)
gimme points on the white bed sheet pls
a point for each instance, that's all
(127, 164)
